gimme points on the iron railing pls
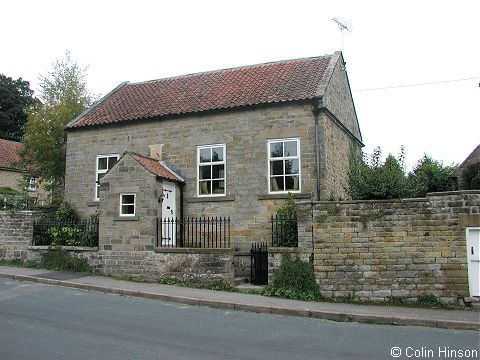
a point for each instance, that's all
(202, 232)
(284, 231)
(65, 233)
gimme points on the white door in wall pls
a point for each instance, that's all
(169, 209)
(473, 257)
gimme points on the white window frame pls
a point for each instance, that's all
(96, 189)
(32, 184)
(224, 163)
(298, 157)
(122, 204)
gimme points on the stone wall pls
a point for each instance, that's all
(185, 265)
(11, 179)
(245, 134)
(404, 248)
(16, 229)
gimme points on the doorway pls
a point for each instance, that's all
(473, 258)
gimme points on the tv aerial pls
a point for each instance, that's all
(344, 26)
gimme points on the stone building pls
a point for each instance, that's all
(235, 142)
(13, 176)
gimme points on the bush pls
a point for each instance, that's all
(376, 180)
(429, 176)
(61, 260)
(66, 212)
(5, 190)
(372, 180)
(285, 224)
(295, 279)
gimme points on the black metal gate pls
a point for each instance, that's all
(259, 264)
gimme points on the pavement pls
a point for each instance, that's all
(372, 314)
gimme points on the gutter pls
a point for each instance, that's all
(316, 112)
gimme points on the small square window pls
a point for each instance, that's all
(127, 204)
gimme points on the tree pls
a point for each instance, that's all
(15, 98)
(64, 95)
(429, 175)
(374, 179)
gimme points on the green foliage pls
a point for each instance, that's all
(397, 300)
(11, 262)
(8, 191)
(285, 224)
(376, 180)
(64, 96)
(169, 280)
(66, 212)
(350, 298)
(429, 176)
(15, 98)
(430, 300)
(61, 260)
(66, 235)
(471, 177)
(288, 209)
(295, 279)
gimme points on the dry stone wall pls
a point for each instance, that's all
(397, 248)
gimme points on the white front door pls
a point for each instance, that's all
(473, 257)
(169, 209)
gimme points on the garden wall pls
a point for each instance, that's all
(402, 248)
(16, 230)
(185, 265)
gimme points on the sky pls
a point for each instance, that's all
(392, 48)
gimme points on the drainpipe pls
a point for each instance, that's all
(182, 185)
(316, 112)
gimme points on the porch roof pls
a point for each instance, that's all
(156, 167)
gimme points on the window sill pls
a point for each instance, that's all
(93, 203)
(283, 196)
(211, 198)
(126, 218)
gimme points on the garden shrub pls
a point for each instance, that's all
(295, 279)
(61, 260)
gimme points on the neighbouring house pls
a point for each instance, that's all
(228, 143)
(473, 158)
(12, 175)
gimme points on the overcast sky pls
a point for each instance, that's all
(392, 44)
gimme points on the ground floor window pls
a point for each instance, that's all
(127, 204)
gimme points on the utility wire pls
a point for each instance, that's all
(420, 84)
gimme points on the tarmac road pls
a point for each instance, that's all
(39, 321)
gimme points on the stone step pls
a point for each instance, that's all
(250, 287)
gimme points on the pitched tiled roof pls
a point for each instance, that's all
(267, 83)
(9, 154)
(157, 168)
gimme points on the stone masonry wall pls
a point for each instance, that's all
(379, 249)
(245, 134)
(16, 231)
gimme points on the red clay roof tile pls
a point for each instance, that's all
(156, 168)
(9, 154)
(250, 85)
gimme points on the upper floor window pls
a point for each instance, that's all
(32, 184)
(211, 170)
(104, 163)
(284, 165)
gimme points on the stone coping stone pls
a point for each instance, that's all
(66, 248)
(174, 250)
